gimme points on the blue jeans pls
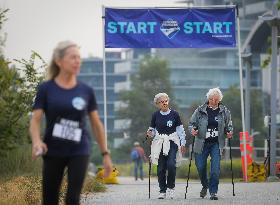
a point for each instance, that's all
(138, 164)
(213, 150)
(167, 163)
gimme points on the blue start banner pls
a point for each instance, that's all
(170, 28)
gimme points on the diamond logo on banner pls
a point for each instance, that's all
(169, 28)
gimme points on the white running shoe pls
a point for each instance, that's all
(161, 195)
(171, 193)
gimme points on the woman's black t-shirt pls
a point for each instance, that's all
(65, 111)
(165, 124)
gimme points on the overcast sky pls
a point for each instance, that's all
(39, 24)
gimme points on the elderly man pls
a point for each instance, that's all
(209, 124)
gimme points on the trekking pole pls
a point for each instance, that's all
(150, 164)
(233, 194)
(150, 167)
(190, 164)
(267, 160)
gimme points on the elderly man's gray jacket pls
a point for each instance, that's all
(199, 120)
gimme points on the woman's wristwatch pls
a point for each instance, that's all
(107, 152)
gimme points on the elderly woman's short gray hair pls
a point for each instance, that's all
(158, 96)
(214, 91)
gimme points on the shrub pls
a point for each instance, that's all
(18, 162)
(20, 179)
(92, 185)
(21, 190)
(26, 190)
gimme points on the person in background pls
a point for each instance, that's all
(209, 124)
(65, 102)
(168, 144)
(138, 156)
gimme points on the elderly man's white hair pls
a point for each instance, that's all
(158, 96)
(214, 91)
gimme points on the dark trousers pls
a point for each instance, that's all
(53, 170)
(167, 163)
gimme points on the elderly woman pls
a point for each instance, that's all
(209, 124)
(168, 144)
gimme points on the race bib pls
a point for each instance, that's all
(211, 133)
(68, 130)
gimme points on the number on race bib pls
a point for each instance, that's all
(211, 133)
(65, 131)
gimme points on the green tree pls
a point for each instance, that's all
(16, 97)
(152, 78)
(18, 86)
(267, 60)
(232, 101)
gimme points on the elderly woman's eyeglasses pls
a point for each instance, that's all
(162, 101)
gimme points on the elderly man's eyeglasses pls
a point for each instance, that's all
(214, 100)
(162, 101)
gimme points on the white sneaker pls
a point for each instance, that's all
(161, 195)
(171, 193)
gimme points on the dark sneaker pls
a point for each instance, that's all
(203, 192)
(213, 196)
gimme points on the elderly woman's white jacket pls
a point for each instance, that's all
(162, 141)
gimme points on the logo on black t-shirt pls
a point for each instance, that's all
(169, 123)
(78, 103)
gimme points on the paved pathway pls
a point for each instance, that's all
(130, 192)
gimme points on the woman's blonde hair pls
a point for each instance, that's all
(58, 53)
